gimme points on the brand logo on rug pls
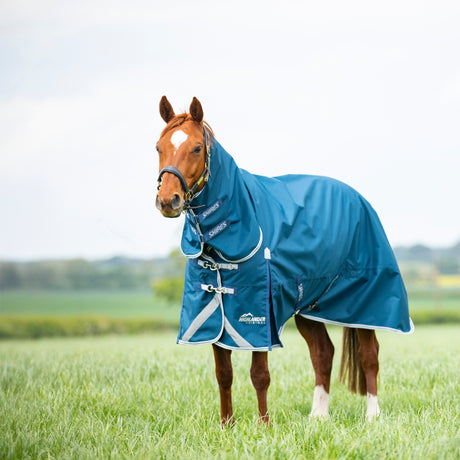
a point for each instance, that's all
(300, 292)
(249, 318)
(216, 230)
(212, 209)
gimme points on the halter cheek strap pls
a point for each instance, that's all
(190, 192)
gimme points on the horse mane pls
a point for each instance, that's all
(179, 120)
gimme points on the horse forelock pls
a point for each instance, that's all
(180, 119)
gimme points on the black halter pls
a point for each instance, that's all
(190, 193)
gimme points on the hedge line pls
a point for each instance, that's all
(34, 327)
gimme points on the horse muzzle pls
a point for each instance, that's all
(171, 207)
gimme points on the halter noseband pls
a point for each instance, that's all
(190, 193)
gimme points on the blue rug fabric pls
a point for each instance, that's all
(261, 250)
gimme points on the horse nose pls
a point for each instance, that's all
(171, 207)
(176, 201)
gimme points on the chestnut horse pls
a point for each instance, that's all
(184, 172)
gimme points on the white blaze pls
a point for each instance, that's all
(178, 138)
(373, 409)
(320, 406)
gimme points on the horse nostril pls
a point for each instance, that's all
(157, 203)
(176, 201)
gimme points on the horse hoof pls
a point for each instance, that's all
(373, 409)
(372, 417)
(227, 423)
(319, 415)
(265, 421)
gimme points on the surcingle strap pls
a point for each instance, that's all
(217, 266)
(218, 289)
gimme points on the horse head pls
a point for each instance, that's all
(183, 150)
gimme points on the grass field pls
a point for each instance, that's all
(114, 304)
(145, 397)
(26, 314)
(123, 304)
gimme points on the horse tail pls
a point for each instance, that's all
(350, 365)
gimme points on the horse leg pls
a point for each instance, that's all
(368, 354)
(260, 377)
(224, 374)
(321, 354)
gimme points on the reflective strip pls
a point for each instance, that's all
(234, 335)
(228, 266)
(201, 318)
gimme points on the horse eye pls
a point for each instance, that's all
(158, 150)
(197, 149)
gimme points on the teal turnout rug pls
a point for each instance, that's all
(261, 250)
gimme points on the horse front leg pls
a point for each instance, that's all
(224, 375)
(260, 377)
(321, 354)
(368, 355)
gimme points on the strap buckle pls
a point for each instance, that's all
(217, 290)
(209, 266)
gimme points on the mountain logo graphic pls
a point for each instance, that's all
(249, 318)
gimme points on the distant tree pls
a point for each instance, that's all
(80, 273)
(449, 266)
(455, 250)
(39, 275)
(169, 289)
(420, 253)
(10, 277)
(177, 260)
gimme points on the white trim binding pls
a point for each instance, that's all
(200, 234)
(229, 347)
(358, 326)
(249, 256)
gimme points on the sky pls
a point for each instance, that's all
(366, 92)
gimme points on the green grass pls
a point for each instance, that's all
(123, 304)
(113, 304)
(26, 314)
(145, 397)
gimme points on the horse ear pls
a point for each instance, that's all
(196, 111)
(166, 110)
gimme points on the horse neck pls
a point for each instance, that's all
(225, 181)
(225, 210)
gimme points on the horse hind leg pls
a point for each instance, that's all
(360, 366)
(224, 375)
(321, 354)
(368, 354)
(260, 377)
